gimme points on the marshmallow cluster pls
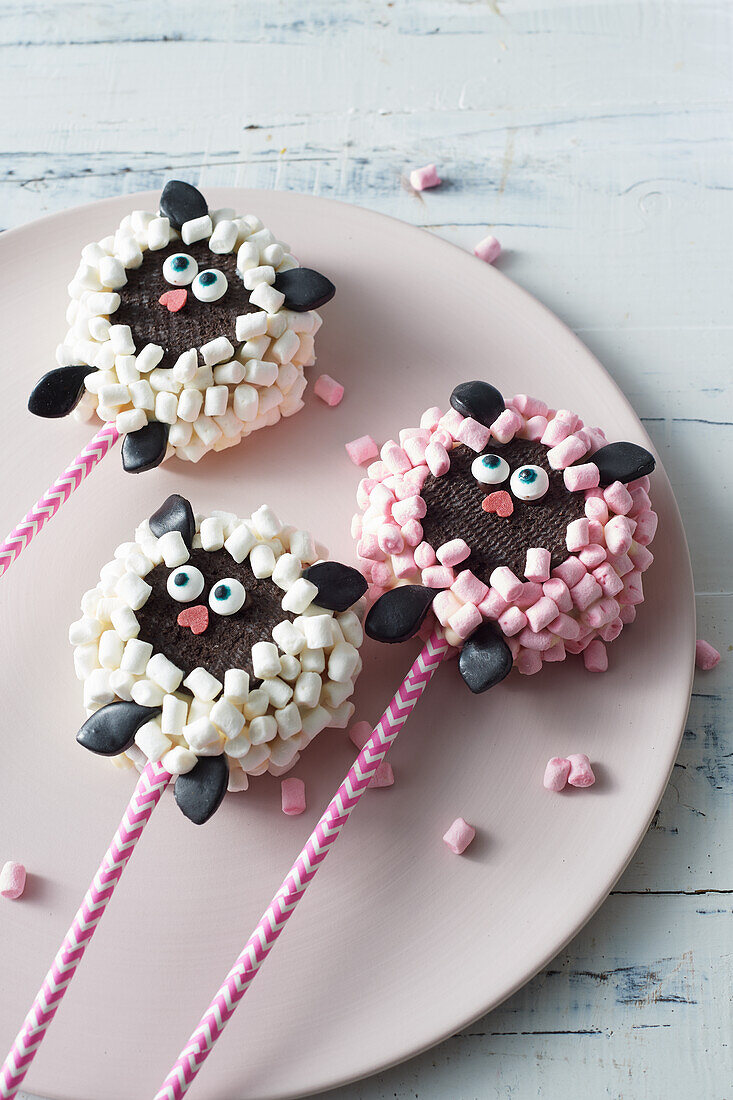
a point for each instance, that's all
(306, 670)
(215, 395)
(575, 608)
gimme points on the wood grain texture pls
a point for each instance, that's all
(594, 138)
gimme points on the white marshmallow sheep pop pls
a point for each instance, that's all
(217, 646)
(189, 330)
(491, 492)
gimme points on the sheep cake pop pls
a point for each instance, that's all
(189, 330)
(217, 646)
(524, 532)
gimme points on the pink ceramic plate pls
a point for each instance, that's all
(398, 943)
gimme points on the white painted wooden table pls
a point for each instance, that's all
(594, 138)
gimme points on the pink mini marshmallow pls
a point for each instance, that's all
(622, 563)
(506, 426)
(451, 422)
(565, 627)
(646, 527)
(538, 640)
(577, 478)
(390, 539)
(444, 605)
(363, 490)
(570, 571)
(577, 535)
(506, 584)
(430, 418)
(394, 458)
(585, 592)
(437, 459)
(595, 532)
(581, 773)
(641, 556)
(438, 576)
(293, 796)
(601, 613)
(488, 249)
(611, 631)
(555, 432)
(415, 448)
(412, 532)
(541, 614)
(596, 509)
(633, 591)
(357, 526)
(424, 556)
(608, 579)
(592, 556)
(512, 621)
(422, 178)
(381, 573)
(618, 533)
(465, 620)
(403, 564)
(416, 478)
(413, 433)
(469, 588)
(640, 501)
(412, 507)
(329, 390)
(557, 771)
(530, 594)
(537, 567)
(368, 548)
(381, 497)
(567, 452)
(535, 427)
(618, 498)
(442, 435)
(528, 662)
(377, 470)
(383, 776)
(556, 652)
(459, 836)
(559, 593)
(529, 406)
(706, 655)
(360, 733)
(362, 450)
(453, 552)
(473, 434)
(12, 880)
(595, 659)
(493, 606)
(627, 614)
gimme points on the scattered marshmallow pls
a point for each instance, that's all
(706, 655)
(383, 776)
(459, 836)
(581, 773)
(293, 796)
(556, 774)
(488, 249)
(329, 390)
(12, 880)
(422, 178)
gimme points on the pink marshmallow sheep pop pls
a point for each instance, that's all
(524, 531)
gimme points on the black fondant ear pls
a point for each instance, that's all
(339, 586)
(199, 793)
(485, 659)
(111, 729)
(622, 462)
(181, 202)
(304, 288)
(174, 514)
(398, 615)
(478, 400)
(59, 391)
(145, 449)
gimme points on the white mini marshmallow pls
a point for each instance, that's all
(287, 570)
(288, 637)
(262, 729)
(151, 740)
(164, 673)
(142, 395)
(132, 420)
(196, 229)
(180, 434)
(125, 623)
(272, 254)
(227, 718)
(254, 348)
(104, 302)
(266, 522)
(248, 256)
(299, 596)
(230, 424)
(290, 667)
(147, 694)
(262, 561)
(159, 234)
(342, 662)
(334, 693)
(179, 760)
(224, 237)
(302, 545)
(351, 628)
(276, 324)
(201, 735)
(250, 325)
(265, 660)
(259, 373)
(257, 704)
(266, 297)
(212, 533)
(240, 542)
(105, 357)
(175, 715)
(133, 590)
(312, 660)
(129, 253)
(184, 368)
(161, 379)
(114, 395)
(307, 689)
(173, 549)
(238, 780)
(166, 407)
(253, 276)
(86, 659)
(84, 630)
(315, 720)
(262, 237)
(202, 379)
(111, 648)
(189, 405)
(99, 328)
(229, 374)
(112, 273)
(278, 692)
(284, 348)
(120, 337)
(121, 684)
(236, 686)
(289, 721)
(148, 357)
(341, 716)
(217, 351)
(215, 402)
(246, 402)
(318, 631)
(240, 746)
(97, 690)
(136, 656)
(202, 684)
(126, 370)
(207, 431)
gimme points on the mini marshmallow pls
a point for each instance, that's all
(179, 760)
(706, 655)
(111, 649)
(567, 452)
(212, 533)
(266, 522)
(307, 690)
(278, 692)
(216, 351)
(577, 535)
(202, 684)
(537, 567)
(224, 237)
(595, 659)
(146, 693)
(473, 434)
(422, 178)
(163, 672)
(465, 620)
(12, 880)
(148, 358)
(581, 773)
(469, 588)
(512, 621)
(453, 552)
(318, 631)
(173, 719)
(262, 729)
(236, 686)
(203, 737)
(287, 570)
(383, 775)
(541, 614)
(362, 450)
(265, 660)
(556, 774)
(166, 407)
(577, 478)
(173, 550)
(618, 498)
(507, 585)
(293, 796)
(437, 459)
(488, 249)
(438, 576)
(254, 276)
(120, 337)
(262, 561)
(240, 543)
(343, 661)
(227, 718)
(133, 590)
(196, 229)
(151, 740)
(267, 298)
(299, 596)
(136, 656)
(459, 836)
(132, 420)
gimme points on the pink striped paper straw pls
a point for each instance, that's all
(145, 798)
(58, 494)
(317, 847)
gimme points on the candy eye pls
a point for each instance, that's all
(490, 469)
(529, 483)
(185, 584)
(210, 285)
(227, 596)
(180, 270)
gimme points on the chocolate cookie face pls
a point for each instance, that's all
(227, 640)
(454, 510)
(196, 322)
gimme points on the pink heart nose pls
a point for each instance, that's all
(196, 617)
(174, 299)
(499, 502)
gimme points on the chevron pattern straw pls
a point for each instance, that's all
(339, 809)
(58, 494)
(146, 796)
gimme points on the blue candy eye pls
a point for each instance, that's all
(209, 286)
(227, 596)
(180, 270)
(185, 583)
(490, 469)
(529, 483)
